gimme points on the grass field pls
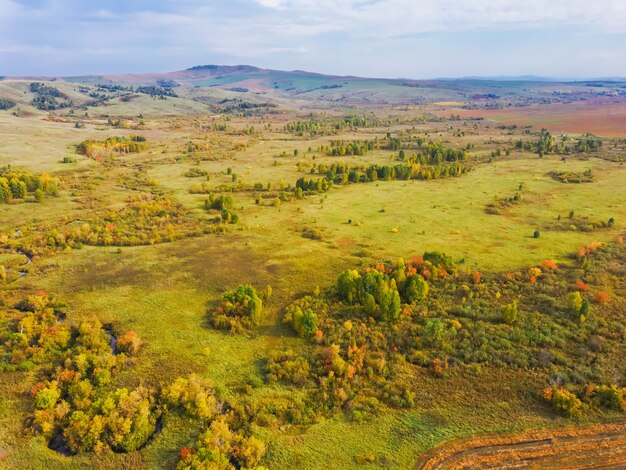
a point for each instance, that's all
(163, 291)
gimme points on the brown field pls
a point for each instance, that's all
(599, 118)
(601, 446)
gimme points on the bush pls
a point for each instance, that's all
(509, 313)
(219, 202)
(417, 289)
(564, 402)
(192, 394)
(288, 367)
(222, 448)
(440, 259)
(611, 397)
(602, 298)
(312, 234)
(130, 421)
(195, 172)
(549, 264)
(6, 104)
(574, 303)
(239, 309)
(304, 322)
(39, 195)
(129, 343)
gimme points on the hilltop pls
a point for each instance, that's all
(352, 90)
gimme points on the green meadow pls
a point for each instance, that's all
(163, 289)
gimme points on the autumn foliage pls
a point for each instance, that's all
(563, 401)
(582, 285)
(589, 248)
(601, 298)
(239, 310)
(129, 343)
(549, 264)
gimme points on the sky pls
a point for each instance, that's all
(372, 38)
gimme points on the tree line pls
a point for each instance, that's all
(20, 185)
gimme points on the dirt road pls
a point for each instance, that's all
(595, 447)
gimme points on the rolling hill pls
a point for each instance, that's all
(351, 90)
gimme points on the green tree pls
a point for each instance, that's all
(255, 309)
(347, 285)
(585, 308)
(39, 195)
(438, 258)
(18, 188)
(47, 398)
(305, 323)
(509, 313)
(433, 331)
(369, 305)
(417, 289)
(574, 303)
(5, 191)
(390, 304)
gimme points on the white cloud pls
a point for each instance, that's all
(299, 31)
(402, 16)
(271, 3)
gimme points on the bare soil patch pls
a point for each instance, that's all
(599, 118)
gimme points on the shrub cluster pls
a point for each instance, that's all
(573, 404)
(378, 325)
(146, 220)
(75, 405)
(6, 104)
(48, 98)
(72, 401)
(111, 146)
(20, 185)
(238, 311)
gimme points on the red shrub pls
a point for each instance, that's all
(602, 298)
(438, 367)
(129, 343)
(549, 264)
(186, 452)
(593, 246)
(67, 375)
(417, 261)
(581, 285)
(37, 388)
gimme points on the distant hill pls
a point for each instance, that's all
(360, 91)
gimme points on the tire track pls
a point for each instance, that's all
(595, 447)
